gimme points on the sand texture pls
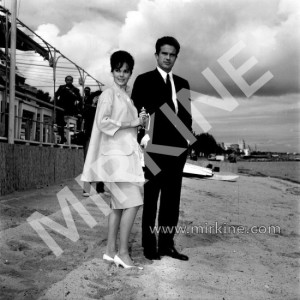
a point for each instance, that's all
(222, 265)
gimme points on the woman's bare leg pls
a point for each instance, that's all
(113, 227)
(127, 220)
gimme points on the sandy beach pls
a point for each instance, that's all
(225, 262)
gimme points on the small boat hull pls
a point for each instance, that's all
(191, 170)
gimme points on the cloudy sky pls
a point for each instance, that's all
(268, 118)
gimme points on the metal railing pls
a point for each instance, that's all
(38, 126)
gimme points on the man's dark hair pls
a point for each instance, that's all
(69, 76)
(167, 40)
(118, 59)
(87, 88)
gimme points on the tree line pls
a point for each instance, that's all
(206, 144)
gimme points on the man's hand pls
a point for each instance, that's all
(145, 140)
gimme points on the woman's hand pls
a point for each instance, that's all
(143, 116)
(140, 121)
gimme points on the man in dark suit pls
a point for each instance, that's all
(68, 97)
(89, 111)
(156, 91)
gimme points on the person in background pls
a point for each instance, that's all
(89, 110)
(67, 97)
(113, 157)
(151, 91)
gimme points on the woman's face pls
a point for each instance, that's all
(122, 75)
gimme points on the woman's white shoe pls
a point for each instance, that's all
(108, 258)
(119, 262)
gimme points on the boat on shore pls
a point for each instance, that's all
(191, 170)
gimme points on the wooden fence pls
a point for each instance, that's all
(24, 167)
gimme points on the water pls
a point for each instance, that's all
(288, 170)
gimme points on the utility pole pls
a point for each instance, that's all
(12, 73)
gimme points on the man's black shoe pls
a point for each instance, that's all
(172, 252)
(152, 255)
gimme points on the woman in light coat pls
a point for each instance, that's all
(113, 157)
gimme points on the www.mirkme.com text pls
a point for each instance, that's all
(218, 228)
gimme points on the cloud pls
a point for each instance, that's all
(84, 46)
(65, 13)
(90, 31)
(207, 29)
(257, 120)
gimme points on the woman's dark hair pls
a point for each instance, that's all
(167, 40)
(118, 59)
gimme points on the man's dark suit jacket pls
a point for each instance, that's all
(150, 91)
(89, 112)
(66, 97)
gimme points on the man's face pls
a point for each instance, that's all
(87, 91)
(166, 57)
(69, 80)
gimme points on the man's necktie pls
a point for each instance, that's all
(169, 93)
